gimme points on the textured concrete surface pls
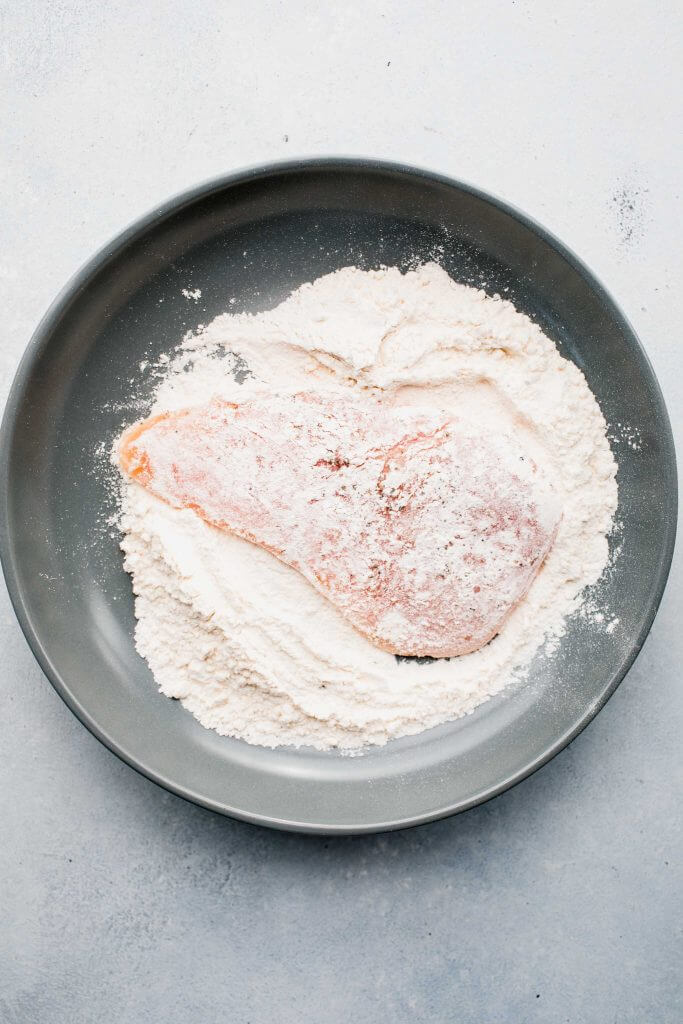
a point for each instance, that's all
(561, 900)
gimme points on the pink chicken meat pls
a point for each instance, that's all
(425, 533)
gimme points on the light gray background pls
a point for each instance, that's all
(561, 900)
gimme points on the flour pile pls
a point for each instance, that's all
(245, 642)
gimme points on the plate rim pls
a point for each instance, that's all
(39, 341)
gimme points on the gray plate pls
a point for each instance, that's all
(255, 236)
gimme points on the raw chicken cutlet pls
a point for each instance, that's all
(424, 532)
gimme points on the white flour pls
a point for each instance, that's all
(242, 639)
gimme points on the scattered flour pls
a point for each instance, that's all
(243, 640)
(625, 433)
